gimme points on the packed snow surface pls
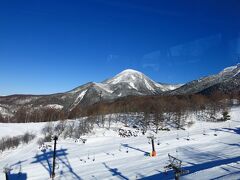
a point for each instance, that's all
(104, 156)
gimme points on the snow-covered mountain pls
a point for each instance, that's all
(127, 83)
(134, 81)
(140, 82)
(225, 81)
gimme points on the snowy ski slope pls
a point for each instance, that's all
(104, 156)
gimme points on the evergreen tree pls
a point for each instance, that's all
(226, 116)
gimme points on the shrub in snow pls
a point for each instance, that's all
(190, 123)
(226, 116)
(47, 138)
(77, 129)
(13, 142)
(40, 141)
(81, 128)
(48, 129)
(59, 127)
(27, 137)
(69, 130)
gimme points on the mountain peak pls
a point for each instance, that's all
(130, 71)
(128, 75)
(230, 69)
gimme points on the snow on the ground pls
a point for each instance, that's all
(104, 155)
(15, 129)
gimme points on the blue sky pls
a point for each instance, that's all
(54, 46)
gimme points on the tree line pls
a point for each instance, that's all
(155, 108)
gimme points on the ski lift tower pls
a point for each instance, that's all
(154, 153)
(55, 138)
(176, 166)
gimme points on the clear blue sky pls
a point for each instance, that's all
(49, 46)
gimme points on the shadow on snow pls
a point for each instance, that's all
(115, 172)
(17, 176)
(137, 149)
(197, 167)
(46, 158)
(229, 130)
(213, 160)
